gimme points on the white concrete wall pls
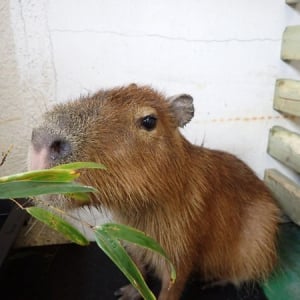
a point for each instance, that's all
(27, 76)
(225, 53)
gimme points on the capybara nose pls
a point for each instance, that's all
(52, 147)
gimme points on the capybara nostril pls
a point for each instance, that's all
(59, 149)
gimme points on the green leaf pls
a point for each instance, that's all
(57, 175)
(82, 198)
(20, 189)
(115, 251)
(60, 173)
(58, 224)
(80, 165)
(137, 237)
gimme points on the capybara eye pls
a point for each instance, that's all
(149, 122)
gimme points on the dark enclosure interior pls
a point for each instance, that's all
(72, 272)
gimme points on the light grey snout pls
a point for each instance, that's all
(47, 149)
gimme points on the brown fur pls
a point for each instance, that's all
(206, 208)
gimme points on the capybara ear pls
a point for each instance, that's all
(182, 107)
(132, 85)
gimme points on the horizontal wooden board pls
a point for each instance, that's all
(284, 145)
(292, 1)
(286, 192)
(290, 48)
(287, 96)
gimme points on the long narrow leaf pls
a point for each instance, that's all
(60, 173)
(80, 165)
(58, 224)
(57, 175)
(81, 198)
(115, 251)
(21, 189)
(132, 235)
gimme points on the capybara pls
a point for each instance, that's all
(206, 208)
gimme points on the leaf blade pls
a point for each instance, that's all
(58, 224)
(61, 173)
(116, 252)
(20, 189)
(47, 175)
(137, 237)
(80, 165)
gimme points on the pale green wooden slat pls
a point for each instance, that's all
(292, 1)
(286, 192)
(287, 96)
(284, 145)
(290, 48)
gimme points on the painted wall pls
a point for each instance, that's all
(27, 76)
(225, 53)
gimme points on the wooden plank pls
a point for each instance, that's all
(292, 1)
(290, 48)
(284, 145)
(287, 96)
(286, 192)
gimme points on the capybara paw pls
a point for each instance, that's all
(127, 292)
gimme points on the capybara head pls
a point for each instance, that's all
(132, 130)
